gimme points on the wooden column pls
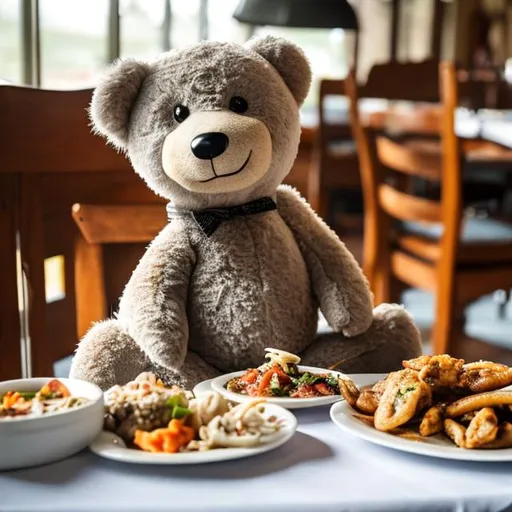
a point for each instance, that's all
(395, 29)
(437, 29)
(10, 348)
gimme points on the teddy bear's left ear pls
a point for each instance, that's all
(114, 97)
(290, 62)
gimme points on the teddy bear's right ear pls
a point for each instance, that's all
(114, 97)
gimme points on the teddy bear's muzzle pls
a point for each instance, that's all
(217, 151)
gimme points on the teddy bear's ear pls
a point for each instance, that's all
(290, 62)
(114, 97)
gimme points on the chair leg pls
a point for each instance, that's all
(91, 302)
(503, 298)
(449, 323)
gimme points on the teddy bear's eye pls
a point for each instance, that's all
(238, 105)
(181, 113)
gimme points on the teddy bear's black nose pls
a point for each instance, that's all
(209, 145)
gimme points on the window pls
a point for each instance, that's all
(10, 42)
(221, 24)
(78, 38)
(141, 28)
(73, 42)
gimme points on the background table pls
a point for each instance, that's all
(321, 469)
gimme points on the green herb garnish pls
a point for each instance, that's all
(400, 396)
(180, 412)
(178, 406)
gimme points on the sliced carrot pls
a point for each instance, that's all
(167, 440)
(10, 398)
(267, 377)
(250, 376)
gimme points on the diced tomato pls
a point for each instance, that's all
(252, 389)
(304, 391)
(54, 389)
(250, 376)
(322, 389)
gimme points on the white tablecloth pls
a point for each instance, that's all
(321, 469)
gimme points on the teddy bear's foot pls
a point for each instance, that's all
(391, 338)
(194, 370)
(107, 355)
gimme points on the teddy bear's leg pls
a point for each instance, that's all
(107, 355)
(391, 338)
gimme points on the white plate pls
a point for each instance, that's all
(110, 446)
(434, 446)
(218, 384)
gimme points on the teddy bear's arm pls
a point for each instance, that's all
(338, 282)
(153, 305)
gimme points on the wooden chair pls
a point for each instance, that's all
(425, 242)
(100, 226)
(50, 161)
(335, 164)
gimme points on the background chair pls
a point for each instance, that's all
(424, 242)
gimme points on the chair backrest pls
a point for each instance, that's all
(403, 81)
(386, 161)
(37, 123)
(56, 161)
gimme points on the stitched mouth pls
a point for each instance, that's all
(229, 173)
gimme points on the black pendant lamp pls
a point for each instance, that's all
(297, 13)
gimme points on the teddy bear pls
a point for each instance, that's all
(244, 262)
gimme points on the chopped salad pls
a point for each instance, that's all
(281, 377)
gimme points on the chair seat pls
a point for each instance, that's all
(484, 240)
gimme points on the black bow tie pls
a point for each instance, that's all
(210, 219)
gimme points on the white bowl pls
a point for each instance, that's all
(30, 441)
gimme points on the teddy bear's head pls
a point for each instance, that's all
(209, 125)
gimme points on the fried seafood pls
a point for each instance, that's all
(482, 429)
(465, 402)
(479, 401)
(349, 391)
(432, 421)
(368, 401)
(365, 400)
(456, 432)
(404, 396)
(441, 371)
(503, 439)
(485, 376)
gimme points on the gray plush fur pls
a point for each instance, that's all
(197, 306)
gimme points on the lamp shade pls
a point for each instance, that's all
(297, 13)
